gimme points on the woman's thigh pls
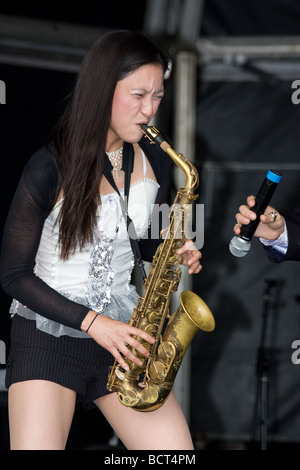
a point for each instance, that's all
(164, 428)
(40, 415)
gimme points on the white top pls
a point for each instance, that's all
(99, 275)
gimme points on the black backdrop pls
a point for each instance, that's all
(243, 129)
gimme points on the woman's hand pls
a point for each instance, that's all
(115, 336)
(190, 257)
(271, 224)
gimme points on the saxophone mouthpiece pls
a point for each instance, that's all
(144, 128)
(152, 134)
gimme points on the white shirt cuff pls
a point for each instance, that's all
(280, 244)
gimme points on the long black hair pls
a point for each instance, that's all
(83, 128)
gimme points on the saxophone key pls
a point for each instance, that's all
(120, 373)
(170, 275)
(157, 372)
(151, 394)
(128, 398)
(167, 352)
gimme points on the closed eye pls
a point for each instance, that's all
(142, 94)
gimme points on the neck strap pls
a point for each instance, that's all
(127, 167)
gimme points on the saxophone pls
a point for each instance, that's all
(146, 387)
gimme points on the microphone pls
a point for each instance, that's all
(240, 244)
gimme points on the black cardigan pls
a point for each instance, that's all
(292, 218)
(34, 199)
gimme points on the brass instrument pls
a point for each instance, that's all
(146, 387)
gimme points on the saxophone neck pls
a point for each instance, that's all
(190, 171)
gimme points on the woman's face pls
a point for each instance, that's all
(136, 100)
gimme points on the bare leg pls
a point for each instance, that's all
(40, 415)
(165, 428)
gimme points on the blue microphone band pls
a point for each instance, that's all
(273, 176)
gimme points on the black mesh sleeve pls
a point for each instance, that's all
(20, 243)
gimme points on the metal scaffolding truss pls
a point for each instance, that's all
(226, 58)
(36, 43)
(61, 46)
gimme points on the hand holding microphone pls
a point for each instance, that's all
(250, 216)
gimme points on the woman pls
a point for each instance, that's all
(279, 233)
(66, 257)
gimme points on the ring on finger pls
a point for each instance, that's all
(273, 214)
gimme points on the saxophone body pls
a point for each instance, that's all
(146, 387)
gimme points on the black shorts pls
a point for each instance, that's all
(79, 364)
